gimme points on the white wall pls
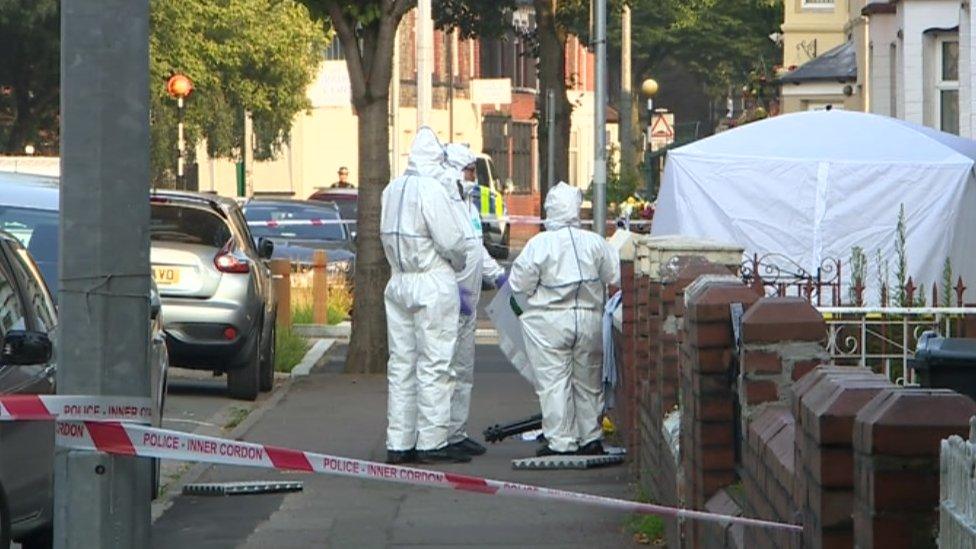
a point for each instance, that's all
(884, 36)
(967, 74)
(917, 16)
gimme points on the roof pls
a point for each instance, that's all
(838, 64)
(29, 191)
(835, 136)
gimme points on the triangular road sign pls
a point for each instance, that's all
(661, 128)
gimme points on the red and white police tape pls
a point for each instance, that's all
(106, 433)
(79, 408)
(512, 219)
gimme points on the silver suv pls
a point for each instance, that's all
(215, 283)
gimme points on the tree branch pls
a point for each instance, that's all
(382, 69)
(354, 58)
(401, 7)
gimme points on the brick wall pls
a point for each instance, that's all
(768, 429)
(706, 396)
(897, 440)
(523, 204)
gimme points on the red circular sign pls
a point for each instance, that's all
(179, 85)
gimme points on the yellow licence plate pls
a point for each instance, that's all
(166, 276)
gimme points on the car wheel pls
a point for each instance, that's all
(504, 247)
(268, 361)
(4, 520)
(38, 540)
(243, 382)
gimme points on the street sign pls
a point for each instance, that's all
(661, 133)
(491, 91)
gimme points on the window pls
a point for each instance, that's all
(817, 4)
(947, 86)
(38, 231)
(280, 212)
(38, 298)
(333, 52)
(187, 225)
(11, 311)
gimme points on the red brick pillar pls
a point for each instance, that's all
(626, 401)
(824, 481)
(648, 426)
(897, 440)
(669, 296)
(782, 339)
(706, 394)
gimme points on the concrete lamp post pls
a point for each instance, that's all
(179, 86)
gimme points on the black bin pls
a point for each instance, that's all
(946, 363)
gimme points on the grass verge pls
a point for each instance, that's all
(235, 416)
(646, 529)
(339, 302)
(290, 348)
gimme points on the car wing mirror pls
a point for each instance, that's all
(265, 248)
(155, 303)
(25, 348)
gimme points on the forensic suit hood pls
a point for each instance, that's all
(563, 206)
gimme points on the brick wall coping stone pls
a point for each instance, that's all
(912, 421)
(829, 408)
(703, 283)
(654, 251)
(777, 319)
(809, 381)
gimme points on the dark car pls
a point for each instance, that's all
(28, 315)
(346, 199)
(218, 301)
(300, 227)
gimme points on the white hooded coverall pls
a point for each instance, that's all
(424, 244)
(479, 266)
(563, 272)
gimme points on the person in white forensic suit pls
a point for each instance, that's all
(563, 274)
(424, 244)
(480, 267)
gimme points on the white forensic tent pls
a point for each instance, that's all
(813, 185)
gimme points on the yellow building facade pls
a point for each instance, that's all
(811, 29)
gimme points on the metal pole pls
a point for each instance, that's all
(102, 346)
(627, 153)
(395, 106)
(600, 121)
(180, 145)
(425, 28)
(550, 141)
(450, 85)
(248, 154)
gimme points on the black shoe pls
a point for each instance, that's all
(545, 450)
(593, 448)
(447, 454)
(394, 457)
(470, 447)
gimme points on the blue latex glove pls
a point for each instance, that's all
(465, 299)
(501, 280)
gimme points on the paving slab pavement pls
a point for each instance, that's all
(345, 415)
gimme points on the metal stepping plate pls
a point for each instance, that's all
(566, 462)
(240, 488)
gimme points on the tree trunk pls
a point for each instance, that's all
(25, 121)
(552, 76)
(368, 348)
